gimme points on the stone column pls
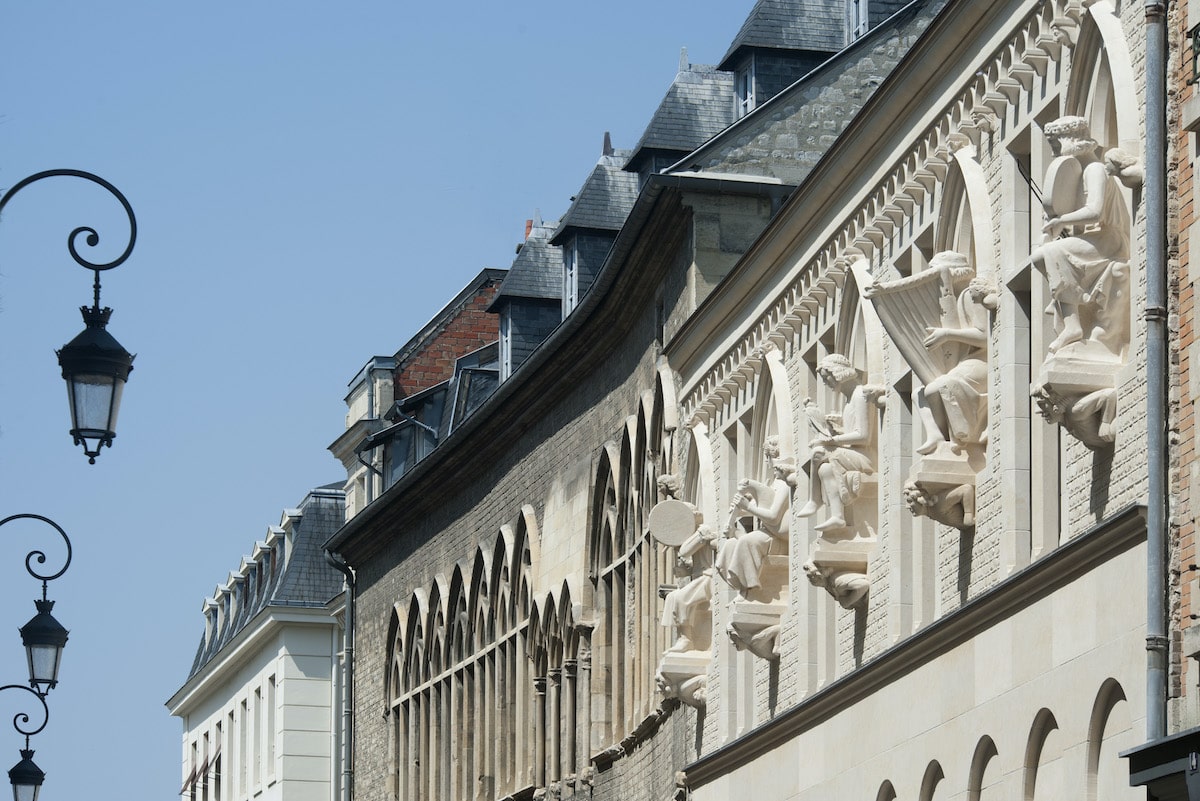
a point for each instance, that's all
(583, 760)
(554, 725)
(571, 671)
(539, 732)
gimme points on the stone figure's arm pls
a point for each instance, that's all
(773, 514)
(854, 421)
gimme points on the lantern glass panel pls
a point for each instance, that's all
(43, 665)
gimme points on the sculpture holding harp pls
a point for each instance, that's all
(939, 320)
(1085, 258)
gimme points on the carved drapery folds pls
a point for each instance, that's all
(1085, 258)
(939, 321)
(683, 670)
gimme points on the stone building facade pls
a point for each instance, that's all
(835, 482)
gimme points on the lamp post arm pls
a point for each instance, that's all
(23, 717)
(93, 238)
(40, 556)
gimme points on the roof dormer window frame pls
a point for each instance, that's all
(506, 343)
(570, 254)
(743, 87)
(858, 19)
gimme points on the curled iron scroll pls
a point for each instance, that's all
(40, 556)
(93, 238)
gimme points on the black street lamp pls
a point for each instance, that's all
(94, 364)
(44, 639)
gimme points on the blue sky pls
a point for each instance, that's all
(312, 182)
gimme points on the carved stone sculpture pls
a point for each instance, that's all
(682, 673)
(953, 506)
(841, 458)
(939, 321)
(754, 561)
(1083, 202)
(1085, 259)
(953, 398)
(741, 553)
(848, 587)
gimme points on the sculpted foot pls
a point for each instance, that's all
(808, 509)
(832, 524)
(1070, 335)
(928, 446)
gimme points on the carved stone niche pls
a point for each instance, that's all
(683, 671)
(1085, 258)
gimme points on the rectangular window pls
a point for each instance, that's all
(744, 86)
(243, 724)
(257, 741)
(203, 780)
(216, 771)
(570, 277)
(505, 343)
(271, 727)
(195, 766)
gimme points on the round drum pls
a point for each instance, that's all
(671, 522)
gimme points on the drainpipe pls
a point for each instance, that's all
(1156, 367)
(347, 754)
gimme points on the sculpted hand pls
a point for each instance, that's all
(1053, 227)
(935, 336)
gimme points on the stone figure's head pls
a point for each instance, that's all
(813, 574)
(960, 268)
(835, 370)
(771, 447)
(1071, 135)
(669, 485)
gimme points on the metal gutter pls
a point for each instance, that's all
(1157, 368)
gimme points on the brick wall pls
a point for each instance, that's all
(468, 328)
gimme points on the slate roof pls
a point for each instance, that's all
(791, 25)
(305, 579)
(697, 107)
(537, 270)
(605, 199)
(785, 137)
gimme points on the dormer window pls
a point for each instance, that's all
(570, 277)
(505, 343)
(857, 20)
(744, 86)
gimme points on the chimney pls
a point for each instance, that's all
(528, 228)
(608, 148)
(684, 66)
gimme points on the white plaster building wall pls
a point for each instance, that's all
(1060, 653)
(287, 753)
